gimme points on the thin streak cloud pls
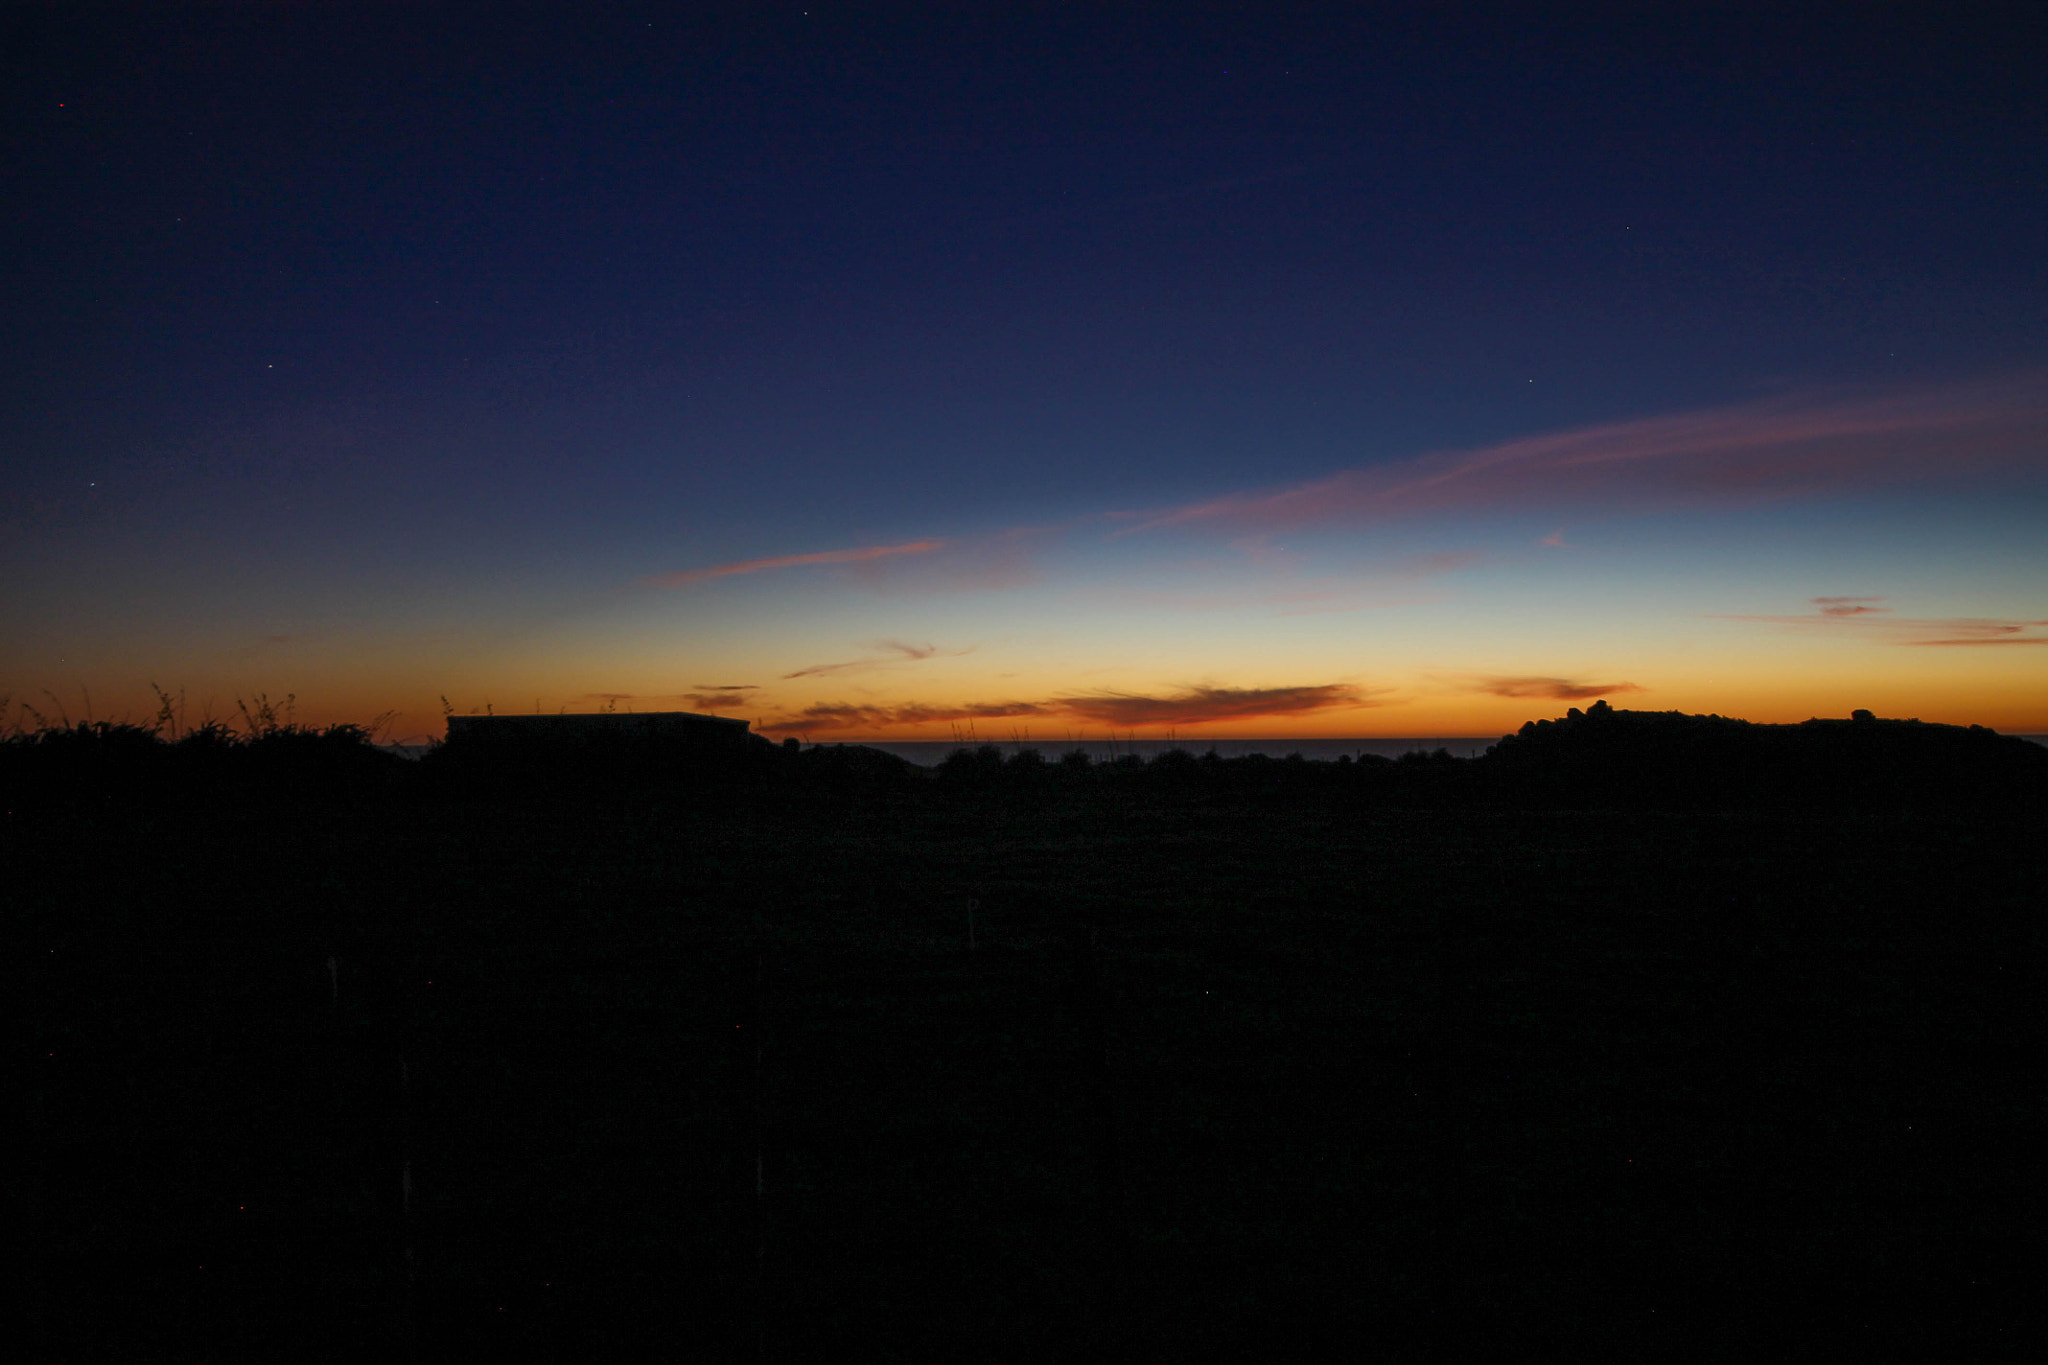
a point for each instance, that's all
(896, 653)
(746, 566)
(1992, 639)
(1856, 618)
(1753, 452)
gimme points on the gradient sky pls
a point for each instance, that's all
(869, 370)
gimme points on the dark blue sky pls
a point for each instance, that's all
(423, 293)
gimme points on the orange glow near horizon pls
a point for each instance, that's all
(2012, 710)
(1393, 602)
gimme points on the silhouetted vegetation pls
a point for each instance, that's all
(1598, 759)
(71, 771)
(1672, 761)
(1643, 1035)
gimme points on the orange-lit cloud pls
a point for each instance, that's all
(1199, 705)
(719, 698)
(744, 566)
(898, 653)
(1847, 606)
(1557, 689)
(1747, 453)
(709, 697)
(1192, 706)
(1854, 617)
(852, 716)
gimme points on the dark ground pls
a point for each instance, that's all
(1231, 1074)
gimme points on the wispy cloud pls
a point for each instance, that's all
(1989, 633)
(1804, 444)
(1557, 689)
(894, 652)
(1857, 618)
(863, 554)
(997, 560)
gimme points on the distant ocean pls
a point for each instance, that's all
(929, 753)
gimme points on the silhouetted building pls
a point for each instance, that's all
(605, 755)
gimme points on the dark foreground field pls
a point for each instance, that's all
(1250, 1071)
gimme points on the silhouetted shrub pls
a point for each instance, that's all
(1670, 760)
(975, 767)
(75, 769)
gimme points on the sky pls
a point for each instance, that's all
(882, 371)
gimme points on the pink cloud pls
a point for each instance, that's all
(745, 566)
(1781, 447)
